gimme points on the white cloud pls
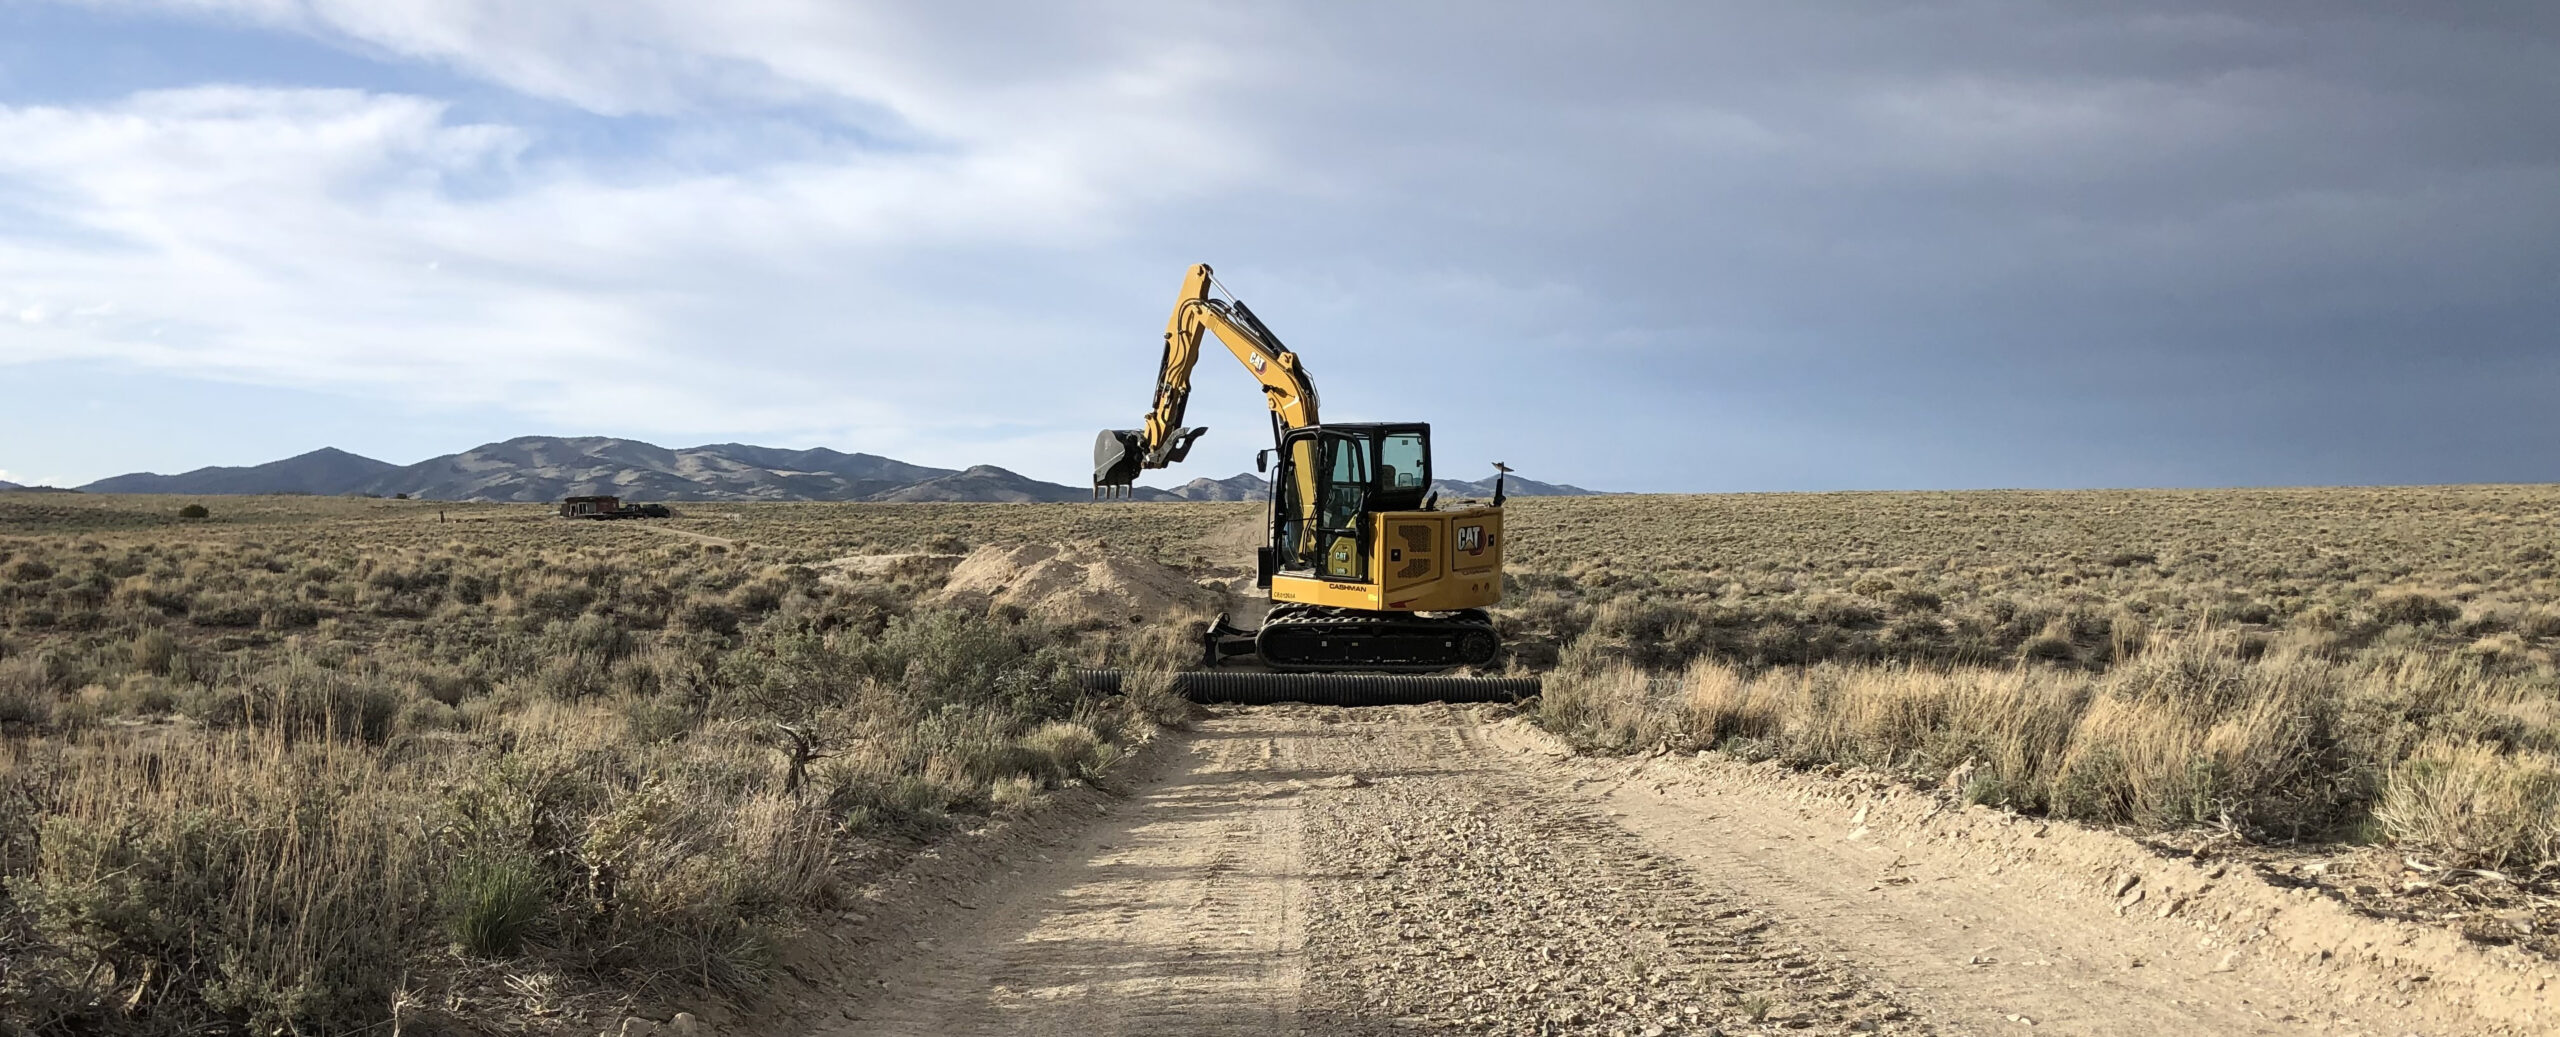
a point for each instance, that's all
(896, 226)
(368, 242)
(314, 238)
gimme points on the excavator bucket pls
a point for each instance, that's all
(1120, 454)
(1117, 456)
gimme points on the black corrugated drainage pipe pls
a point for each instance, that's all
(1327, 689)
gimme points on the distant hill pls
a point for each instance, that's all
(1482, 489)
(547, 468)
(984, 482)
(327, 470)
(6, 485)
(869, 467)
(1247, 486)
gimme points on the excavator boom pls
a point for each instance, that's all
(1120, 454)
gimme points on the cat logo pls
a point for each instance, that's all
(1257, 362)
(1471, 539)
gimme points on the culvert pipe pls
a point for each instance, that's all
(1325, 689)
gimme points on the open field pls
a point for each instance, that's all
(324, 762)
(311, 764)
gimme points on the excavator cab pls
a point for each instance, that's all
(1365, 571)
(1332, 478)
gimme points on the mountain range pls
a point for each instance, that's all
(547, 468)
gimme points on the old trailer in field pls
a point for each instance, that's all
(609, 507)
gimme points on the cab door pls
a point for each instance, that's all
(1343, 487)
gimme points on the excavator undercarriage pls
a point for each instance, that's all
(1319, 638)
(1374, 585)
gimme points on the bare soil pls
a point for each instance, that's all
(1075, 584)
(1437, 870)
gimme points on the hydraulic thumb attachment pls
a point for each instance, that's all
(1120, 454)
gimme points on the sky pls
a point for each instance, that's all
(1668, 247)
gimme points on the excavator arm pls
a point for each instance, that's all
(1120, 454)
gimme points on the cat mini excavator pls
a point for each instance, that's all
(1372, 580)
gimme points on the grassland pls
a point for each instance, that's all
(318, 765)
(2360, 666)
(314, 762)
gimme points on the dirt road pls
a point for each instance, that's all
(1421, 871)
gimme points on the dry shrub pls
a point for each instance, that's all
(2189, 732)
(1148, 659)
(1722, 705)
(1153, 700)
(26, 691)
(2130, 762)
(2477, 804)
(2192, 733)
(234, 881)
(567, 772)
(2414, 608)
(2051, 644)
(1064, 750)
(1014, 793)
(154, 650)
(1609, 707)
(226, 610)
(2539, 621)
(1881, 718)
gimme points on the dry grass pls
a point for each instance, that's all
(2361, 664)
(2190, 733)
(537, 748)
(282, 768)
(2077, 577)
(2477, 803)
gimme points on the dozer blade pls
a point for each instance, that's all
(1327, 689)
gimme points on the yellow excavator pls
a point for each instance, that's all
(1367, 570)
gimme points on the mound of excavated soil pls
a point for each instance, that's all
(1075, 584)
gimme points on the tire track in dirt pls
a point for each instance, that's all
(1465, 898)
(1181, 914)
(1988, 921)
(1314, 871)
(1419, 871)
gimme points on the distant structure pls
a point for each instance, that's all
(609, 507)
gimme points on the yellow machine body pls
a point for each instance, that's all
(1418, 561)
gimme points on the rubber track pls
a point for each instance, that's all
(1317, 620)
(1328, 689)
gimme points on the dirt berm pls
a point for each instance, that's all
(1076, 584)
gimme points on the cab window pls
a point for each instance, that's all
(1404, 463)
